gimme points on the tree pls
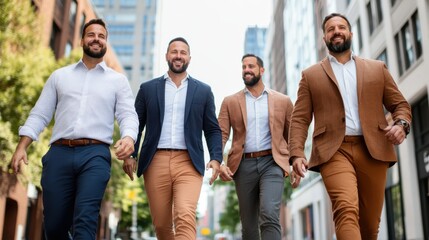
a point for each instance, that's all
(24, 66)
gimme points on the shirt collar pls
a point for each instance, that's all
(168, 78)
(333, 59)
(102, 64)
(265, 91)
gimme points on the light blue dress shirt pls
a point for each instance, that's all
(258, 135)
(85, 102)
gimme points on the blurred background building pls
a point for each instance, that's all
(132, 25)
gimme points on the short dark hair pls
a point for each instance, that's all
(98, 21)
(258, 59)
(335, 15)
(178, 39)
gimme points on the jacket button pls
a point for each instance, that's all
(343, 119)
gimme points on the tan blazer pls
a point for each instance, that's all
(319, 95)
(233, 115)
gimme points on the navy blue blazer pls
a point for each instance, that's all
(199, 116)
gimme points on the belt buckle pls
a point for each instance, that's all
(251, 155)
(70, 143)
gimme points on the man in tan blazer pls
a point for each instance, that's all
(353, 144)
(258, 159)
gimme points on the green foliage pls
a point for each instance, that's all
(119, 189)
(24, 66)
(230, 218)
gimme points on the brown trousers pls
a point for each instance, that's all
(173, 188)
(355, 182)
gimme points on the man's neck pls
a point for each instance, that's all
(257, 89)
(177, 77)
(342, 57)
(90, 62)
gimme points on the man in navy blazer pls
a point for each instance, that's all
(175, 109)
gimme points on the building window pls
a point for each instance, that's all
(394, 204)
(375, 15)
(82, 23)
(68, 49)
(357, 35)
(409, 43)
(420, 127)
(72, 18)
(128, 3)
(383, 57)
(54, 42)
(307, 229)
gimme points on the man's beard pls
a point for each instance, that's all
(177, 70)
(253, 81)
(87, 50)
(339, 48)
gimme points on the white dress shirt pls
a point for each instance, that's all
(346, 77)
(85, 102)
(173, 130)
(258, 135)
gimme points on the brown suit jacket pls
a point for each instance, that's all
(233, 115)
(319, 95)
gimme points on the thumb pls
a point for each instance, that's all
(25, 159)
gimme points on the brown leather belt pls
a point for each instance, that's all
(77, 142)
(171, 149)
(258, 154)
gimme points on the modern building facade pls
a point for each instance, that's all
(397, 33)
(132, 25)
(254, 41)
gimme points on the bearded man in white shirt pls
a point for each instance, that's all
(85, 98)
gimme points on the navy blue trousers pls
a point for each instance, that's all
(74, 180)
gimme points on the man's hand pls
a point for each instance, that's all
(225, 173)
(20, 153)
(294, 179)
(300, 166)
(124, 147)
(215, 170)
(129, 167)
(395, 134)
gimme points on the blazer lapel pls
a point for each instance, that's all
(326, 65)
(192, 87)
(360, 70)
(160, 92)
(271, 109)
(242, 104)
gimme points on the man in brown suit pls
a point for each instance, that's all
(352, 140)
(258, 160)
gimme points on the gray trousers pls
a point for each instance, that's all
(259, 185)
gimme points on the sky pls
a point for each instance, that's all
(215, 31)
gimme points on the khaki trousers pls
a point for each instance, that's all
(173, 188)
(355, 182)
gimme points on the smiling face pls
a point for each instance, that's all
(337, 35)
(94, 41)
(178, 57)
(251, 71)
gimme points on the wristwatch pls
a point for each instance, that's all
(405, 125)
